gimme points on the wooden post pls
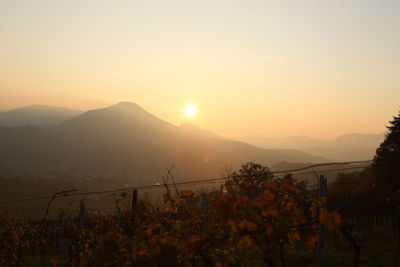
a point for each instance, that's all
(118, 215)
(82, 215)
(398, 227)
(323, 189)
(134, 206)
(61, 238)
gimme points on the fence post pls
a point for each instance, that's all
(61, 238)
(118, 215)
(82, 215)
(134, 206)
(397, 212)
(322, 192)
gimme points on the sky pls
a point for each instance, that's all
(253, 68)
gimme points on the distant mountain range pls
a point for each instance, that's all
(125, 140)
(38, 115)
(190, 128)
(343, 148)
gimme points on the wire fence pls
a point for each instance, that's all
(357, 225)
(196, 182)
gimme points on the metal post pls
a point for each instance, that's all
(82, 215)
(134, 206)
(61, 239)
(323, 189)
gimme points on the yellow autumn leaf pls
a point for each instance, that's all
(194, 239)
(244, 242)
(312, 242)
(268, 196)
(293, 237)
(330, 219)
(249, 226)
(53, 261)
(270, 229)
(337, 218)
(186, 193)
(286, 183)
(269, 212)
(271, 186)
(293, 189)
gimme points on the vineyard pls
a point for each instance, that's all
(254, 218)
(262, 222)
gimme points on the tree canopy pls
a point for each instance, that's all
(254, 176)
(386, 163)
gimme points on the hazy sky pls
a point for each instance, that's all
(254, 68)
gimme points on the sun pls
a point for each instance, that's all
(190, 110)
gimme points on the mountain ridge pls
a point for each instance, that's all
(126, 140)
(39, 115)
(346, 147)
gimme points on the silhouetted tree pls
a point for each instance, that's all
(254, 176)
(376, 188)
(386, 163)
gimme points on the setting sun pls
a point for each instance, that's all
(189, 133)
(190, 110)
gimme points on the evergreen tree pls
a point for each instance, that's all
(386, 163)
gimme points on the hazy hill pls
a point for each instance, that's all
(343, 148)
(124, 140)
(37, 115)
(366, 140)
(291, 142)
(190, 128)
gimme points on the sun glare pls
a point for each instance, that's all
(190, 110)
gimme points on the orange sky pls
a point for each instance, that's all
(253, 68)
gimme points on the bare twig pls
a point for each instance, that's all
(169, 174)
(63, 193)
(316, 176)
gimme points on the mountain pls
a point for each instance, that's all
(125, 140)
(349, 147)
(359, 140)
(291, 142)
(346, 147)
(190, 128)
(38, 115)
(306, 157)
